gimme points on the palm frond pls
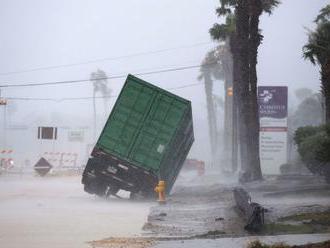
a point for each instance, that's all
(223, 11)
(228, 3)
(231, 23)
(219, 31)
(324, 15)
(308, 53)
(269, 5)
(317, 50)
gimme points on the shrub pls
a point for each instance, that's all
(293, 168)
(314, 148)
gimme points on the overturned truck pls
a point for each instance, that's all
(146, 139)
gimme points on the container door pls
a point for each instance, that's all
(158, 131)
(121, 130)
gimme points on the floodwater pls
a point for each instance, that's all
(55, 212)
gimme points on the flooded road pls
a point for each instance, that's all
(55, 212)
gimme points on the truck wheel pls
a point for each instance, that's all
(112, 190)
(95, 188)
(133, 196)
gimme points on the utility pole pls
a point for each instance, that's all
(3, 102)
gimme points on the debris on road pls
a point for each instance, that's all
(295, 204)
(252, 212)
(122, 243)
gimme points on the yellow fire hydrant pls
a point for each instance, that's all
(160, 189)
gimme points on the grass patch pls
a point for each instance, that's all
(258, 244)
(280, 228)
(318, 222)
(321, 218)
(211, 234)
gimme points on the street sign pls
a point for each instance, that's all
(42, 167)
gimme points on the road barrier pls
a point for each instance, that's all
(6, 159)
(62, 159)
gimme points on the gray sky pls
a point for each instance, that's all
(40, 33)
(281, 52)
(45, 33)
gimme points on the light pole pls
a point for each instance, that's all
(3, 102)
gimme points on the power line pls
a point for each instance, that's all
(103, 59)
(58, 99)
(104, 78)
(89, 97)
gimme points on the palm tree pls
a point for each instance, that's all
(227, 33)
(225, 58)
(218, 65)
(317, 50)
(245, 39)
(255, 9)
(209, 70)
(100, 84)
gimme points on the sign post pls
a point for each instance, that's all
(273, 114)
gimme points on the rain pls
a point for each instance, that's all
(242, 146)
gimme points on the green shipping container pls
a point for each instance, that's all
(147, 137)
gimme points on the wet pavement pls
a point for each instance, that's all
(204, 210)
(55, 212)
(196, 211)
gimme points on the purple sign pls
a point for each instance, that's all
(273, 101)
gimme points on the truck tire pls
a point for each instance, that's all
(112, 190)
(95, 188)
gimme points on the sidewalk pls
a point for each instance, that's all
(200, 207)
(201, 212)
(242, 242)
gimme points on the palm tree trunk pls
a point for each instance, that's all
(228, 110)
(325, 78)
(235, 104)
(94, 108)
(227, 122)
(242, 27)
(254, 126)
(235, 142)
(105, 104)
(210, 114)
